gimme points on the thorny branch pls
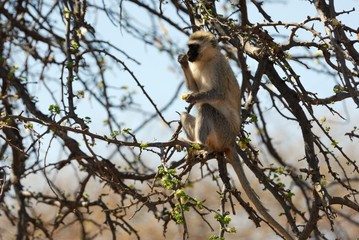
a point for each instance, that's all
(53, 61)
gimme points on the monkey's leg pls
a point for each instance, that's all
(213, 129)
(188, 123)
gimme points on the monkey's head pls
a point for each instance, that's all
(201, 46)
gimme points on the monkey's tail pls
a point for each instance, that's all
(236, 163)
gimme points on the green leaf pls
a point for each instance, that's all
(281, 185)
(86, 195)
(54, 109)
(217, 216)
(196, 146)
(126, 130)
(106, 138)
(227, 219)
(289, 194)
(213, 237)
(199, 204)
(161, 170)
(144, 145)
(69, 64)
(180, 193)
(81, 94)
(75, 45)
(280, 170)
(253, 118)
(29, 126)
(14, 68)
(231, 230)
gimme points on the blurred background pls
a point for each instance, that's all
(104, 75)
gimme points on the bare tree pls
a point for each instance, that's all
(66, 168)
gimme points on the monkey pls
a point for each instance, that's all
(210, 88)
(215, 93)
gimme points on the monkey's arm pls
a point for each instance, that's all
(214, 89)
(191, 84)
(212, 95)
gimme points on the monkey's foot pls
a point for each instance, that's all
(200, 155)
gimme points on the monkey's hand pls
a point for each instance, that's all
(183, 60)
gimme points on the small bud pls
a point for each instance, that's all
(184, 96)
(323, 119)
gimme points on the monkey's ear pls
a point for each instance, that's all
(224, 39)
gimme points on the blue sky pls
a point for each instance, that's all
(161, 75)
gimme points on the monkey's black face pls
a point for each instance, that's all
(193, 52)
